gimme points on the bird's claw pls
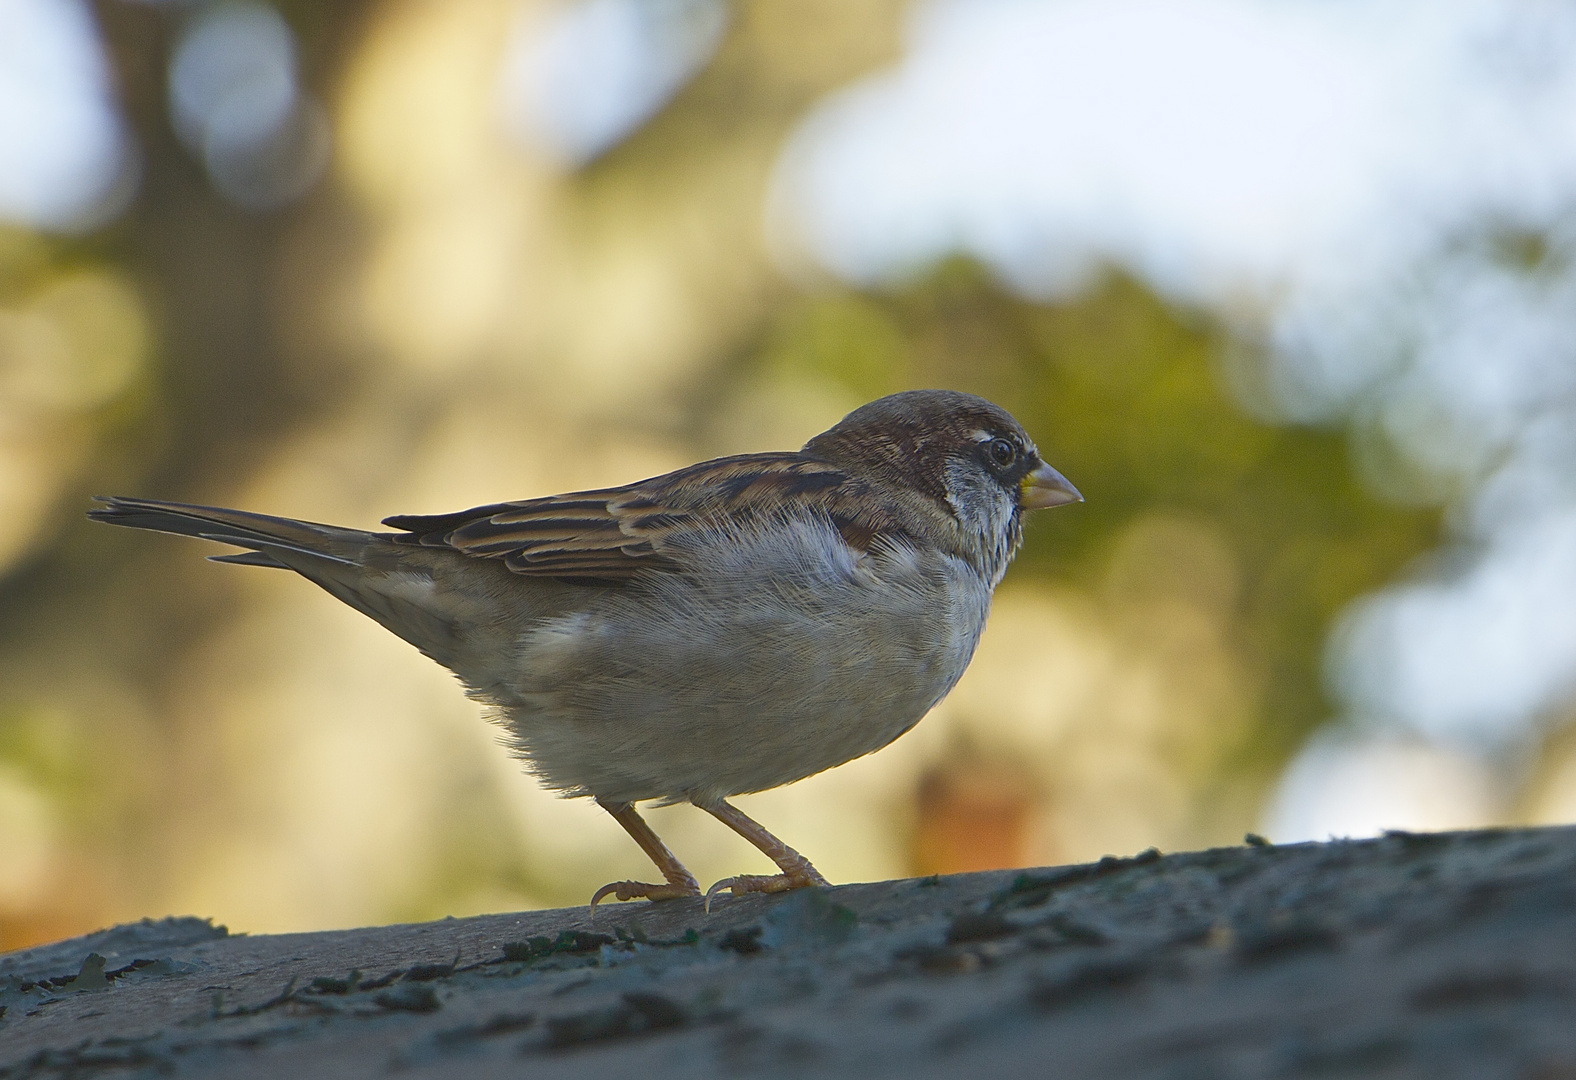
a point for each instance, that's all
(763, 883)
(641, 890)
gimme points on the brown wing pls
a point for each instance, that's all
(612, 534)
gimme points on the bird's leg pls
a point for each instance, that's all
(680, 882)
(796, 869)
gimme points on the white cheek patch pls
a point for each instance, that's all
(985, 511)
(966, 487)
(957, 506)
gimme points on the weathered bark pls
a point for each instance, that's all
(1413, 955)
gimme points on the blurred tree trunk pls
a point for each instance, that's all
(208, 265)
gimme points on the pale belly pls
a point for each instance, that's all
(766, 683)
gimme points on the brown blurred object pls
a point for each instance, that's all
(974, 815)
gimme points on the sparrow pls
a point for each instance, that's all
(730, 627)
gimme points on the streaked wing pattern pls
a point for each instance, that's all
(613, 534)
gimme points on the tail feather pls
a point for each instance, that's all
(391, 583)
(250, 558)
(456, 609)
(264, 536)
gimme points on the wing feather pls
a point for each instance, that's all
(612, 535)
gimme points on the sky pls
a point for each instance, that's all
(577, 82)
(63, 153)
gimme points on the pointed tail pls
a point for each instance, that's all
(419, 593)
(279, 542)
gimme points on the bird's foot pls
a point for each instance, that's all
(641, 890)
(800, 877)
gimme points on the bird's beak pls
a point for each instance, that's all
(1045, 487)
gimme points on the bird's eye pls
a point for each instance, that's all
(1002, 452)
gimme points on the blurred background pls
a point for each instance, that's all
(1287, 287)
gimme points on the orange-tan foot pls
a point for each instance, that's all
(799, 878)
(641, 890)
